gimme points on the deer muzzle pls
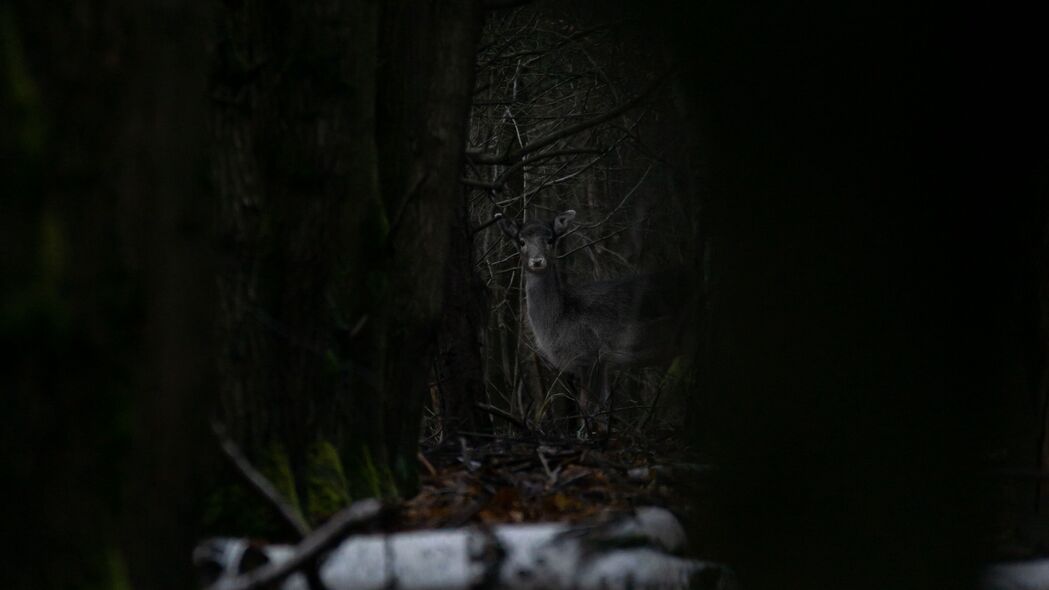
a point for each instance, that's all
(538, 263)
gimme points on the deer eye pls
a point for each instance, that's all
(521, 243)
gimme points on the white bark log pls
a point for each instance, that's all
(1021, 575)
(630, 553)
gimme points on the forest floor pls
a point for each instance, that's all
(474, 480)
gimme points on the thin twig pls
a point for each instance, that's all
(549, 180)
(502, 414)
(614, 210)
(500, 183)
(486, 224)
(429, 466)
(592, 242)
(542, 142)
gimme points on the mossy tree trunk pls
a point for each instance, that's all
(340, 130)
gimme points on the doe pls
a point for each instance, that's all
(585, 329)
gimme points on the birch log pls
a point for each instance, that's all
(1019, 575)
(632, 552)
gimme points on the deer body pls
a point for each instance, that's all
(586, 329)
(578, 326)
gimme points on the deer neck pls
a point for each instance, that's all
(545, 297)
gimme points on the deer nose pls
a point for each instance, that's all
(537, 263)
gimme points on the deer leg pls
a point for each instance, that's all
(604, 419)
(596, 387)
(606, 391)
(585, 378)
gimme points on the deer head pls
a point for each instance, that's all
(537, 239)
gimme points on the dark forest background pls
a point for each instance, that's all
(255, 212)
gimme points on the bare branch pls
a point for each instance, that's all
(483, 258)
(569, 130)
(500, 183)
(487, 224)
(610, 213)
(565, 40)
(592, 242)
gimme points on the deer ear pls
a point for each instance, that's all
(562, 220)
(509, 226)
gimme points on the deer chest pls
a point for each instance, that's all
(565, 344)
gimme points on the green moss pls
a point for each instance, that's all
(20, 86)
(118, 578)
(332, 363)
(233, 509)
(388, 489)
(91, 567)
(326, 487)
(369, 478)
(369, 473)
(34, 307)
(276, 466)
(230, 510)
(676, 368)
(405, 474)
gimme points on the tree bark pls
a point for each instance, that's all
(339, 148)
(430, 52)
(295, 169)
(461, 357)
(110, 280)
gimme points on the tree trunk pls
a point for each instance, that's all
(852, 360)
(461, 360)
(107, 295)
(429, 51)
(295, 169)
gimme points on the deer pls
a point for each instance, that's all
(586, 329)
